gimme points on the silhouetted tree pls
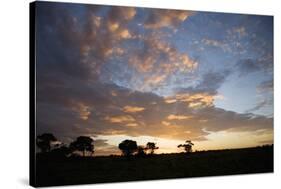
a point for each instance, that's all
(141, 151)
(151, 146)
(44, 141)
(187, 146)
(128, 147)
(83, 144)
(61, 151)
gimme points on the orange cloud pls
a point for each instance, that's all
(188, 62)
(193, 100)
(170, 101)
(125, 34)
(82, 110)
(133, 109)
(131, 124)
(203, 120)
(220, 44)
(142, 64)
(126, 13)
(113, 26)
(104, 35)
(154, 80)
(166, 18)
(119, 119)
(113, 93)
(178, 117)
(166, 123)
(145, 60)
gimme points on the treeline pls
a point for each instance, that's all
(84, 146)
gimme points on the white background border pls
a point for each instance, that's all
(14, 91)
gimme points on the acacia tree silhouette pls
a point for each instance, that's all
(83, 144)
(151, 146)
(44, 141)
(128, 147)
(187, 146)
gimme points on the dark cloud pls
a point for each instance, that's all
(78, 46)
(265, 86)
(204, 93)
(247, 66)
(209, 83)
(105, 104)
(260, 105)
(57, 40)
(265, 91)
(250, 65)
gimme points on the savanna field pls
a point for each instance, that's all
(83, 170)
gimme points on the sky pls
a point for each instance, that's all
(153, 75)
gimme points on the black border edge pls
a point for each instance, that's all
(32, 163)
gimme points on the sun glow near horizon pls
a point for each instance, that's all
(214, 141)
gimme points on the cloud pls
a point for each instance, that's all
(166, 18)
(133, 109)
(123, 13)
(265, 86)
(250, 65)
(82, 110)
(107, 116)
(203, 94)
(84, 45)
(153, 50)
(119, 119)
(246, 66)
(264, 97)
(259, 105)
(131, 124)
(210, 82)
(240, 31)
(178, 117)
(157, 61)
(170, 100)
(80, 46)
(166, 123)
(193, 100)
(220, 44)
(102, 35)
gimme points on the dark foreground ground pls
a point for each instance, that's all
(67, 171)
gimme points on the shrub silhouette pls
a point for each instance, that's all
(151, 146)
(44, 141)
(128, 147)
(187, 146)
(141, 151)
(62, 151)
(83, 144)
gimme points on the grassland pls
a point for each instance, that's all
(65, 171)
